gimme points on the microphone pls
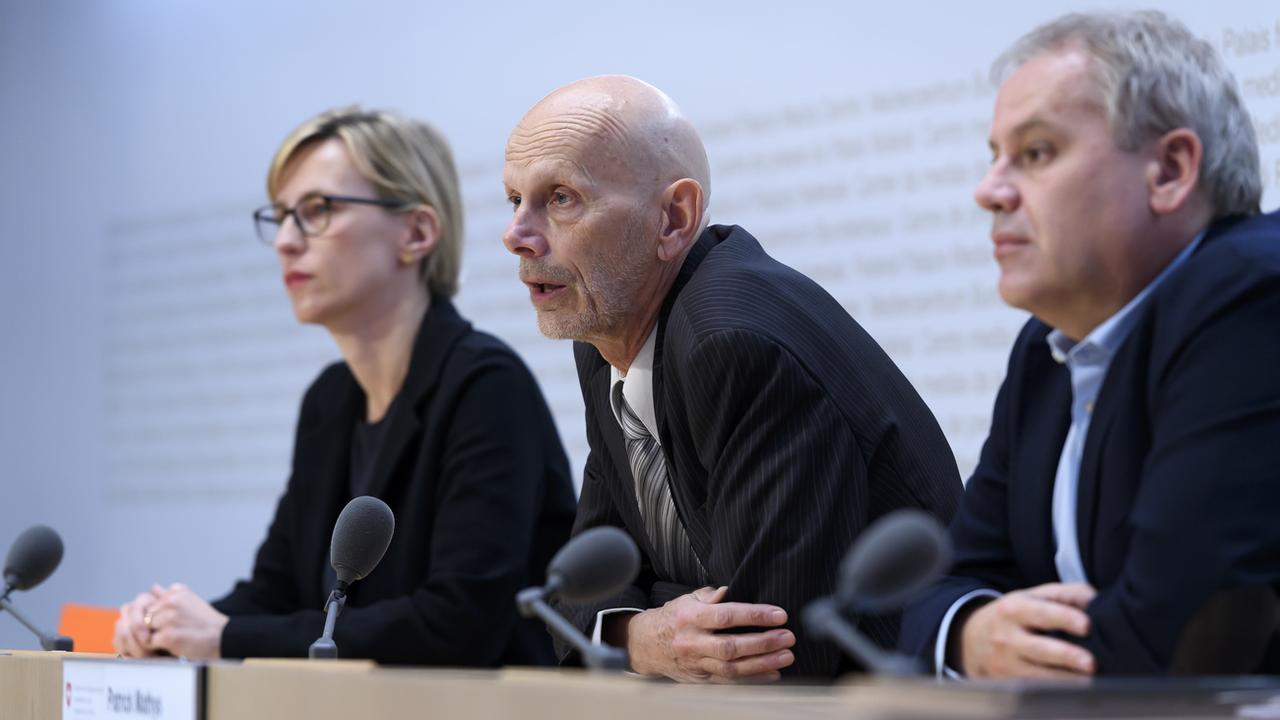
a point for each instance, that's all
(360, 539)
(31, 560)
(891, 561)
(594, 565)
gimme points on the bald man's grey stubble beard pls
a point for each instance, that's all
(608, 290)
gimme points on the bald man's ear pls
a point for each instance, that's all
(1174, 171)
(681, 217)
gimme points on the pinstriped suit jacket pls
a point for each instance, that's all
(786, 430)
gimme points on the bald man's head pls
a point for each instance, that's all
(616, 120)
(609, 183)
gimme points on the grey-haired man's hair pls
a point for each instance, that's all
(1154, 76)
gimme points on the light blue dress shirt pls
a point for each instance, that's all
(1087, 361)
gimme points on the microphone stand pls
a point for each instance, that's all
(532, 602)
(324, 648)
(825, 621)
(47, 642)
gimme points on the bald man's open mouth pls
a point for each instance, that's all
(541, 291)
(545, 280)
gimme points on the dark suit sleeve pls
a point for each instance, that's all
(1205, 516)
(979, 533)
(489, 489)
(787, 487)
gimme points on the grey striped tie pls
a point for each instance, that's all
(667, 533)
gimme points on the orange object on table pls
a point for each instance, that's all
(91, 627)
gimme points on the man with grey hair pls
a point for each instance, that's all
(743, 428)
(1132, 471)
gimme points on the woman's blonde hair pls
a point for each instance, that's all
(407, 161)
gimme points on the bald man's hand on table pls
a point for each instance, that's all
(681, 640)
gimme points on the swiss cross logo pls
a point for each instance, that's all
(68, 694)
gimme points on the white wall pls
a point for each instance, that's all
(151, 369)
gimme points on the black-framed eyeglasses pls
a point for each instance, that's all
(312, 214)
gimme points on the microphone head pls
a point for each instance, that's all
(33, 557)
(360, 538)
(594, 565)
(892, 560)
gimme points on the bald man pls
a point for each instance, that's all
(743, 428)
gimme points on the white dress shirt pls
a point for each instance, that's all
(637, 388)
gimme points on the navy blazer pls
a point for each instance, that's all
(1179, 491)
(477, 478)
(786, 431)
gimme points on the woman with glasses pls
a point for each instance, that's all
(441, 421)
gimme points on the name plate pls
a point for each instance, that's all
(131, 690)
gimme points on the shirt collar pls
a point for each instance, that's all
(1107, 337)
(637, 386)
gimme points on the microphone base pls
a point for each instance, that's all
(823, 619)
(531, 602)
(610, 658)
(324, 648)
(59, 643)
(47, 642)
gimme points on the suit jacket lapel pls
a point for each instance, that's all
(1045, 419)
(681, 493)
(1087, 494)
(706, 241)
(1115, 396)
(440, 330)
